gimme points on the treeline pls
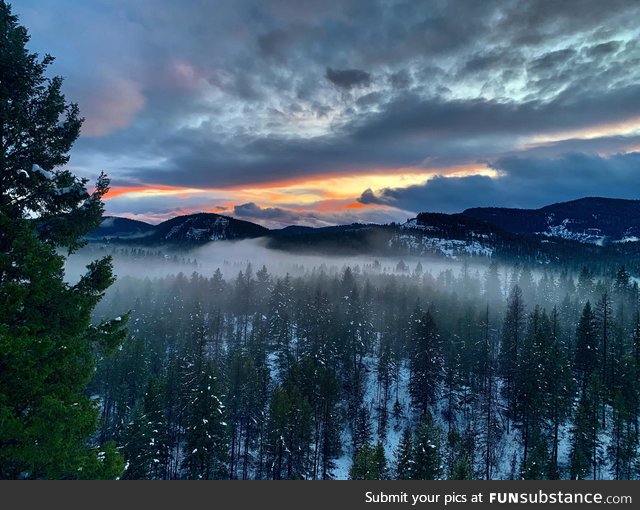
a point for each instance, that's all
(462, 375)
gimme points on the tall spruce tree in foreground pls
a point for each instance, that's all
(47, 345)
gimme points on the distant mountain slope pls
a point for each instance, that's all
(182, 230)
(591, 220)
(204, 227)
(451, 235)
(114, 227)
(297, 230)
(334, 240)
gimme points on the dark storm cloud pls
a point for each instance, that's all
(252, 210)
(274, 43)
(533, 22)
(551, 61)
(407, 132)
(490, 60)
(348, 78)
(525, 182)
(414, 116)
(400, 79)
(603, 49)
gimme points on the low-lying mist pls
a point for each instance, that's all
(230, 257)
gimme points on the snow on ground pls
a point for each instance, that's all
(564, 445)
(508, 449)
(394, 429)
(451, 248)
(562, 230)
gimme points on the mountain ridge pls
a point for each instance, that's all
(580, 228)
(196, 228)
(590, 219)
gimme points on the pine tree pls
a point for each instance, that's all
(206, 431)
(47, 346)
(622, 450)
(369, 464)
(362, 432)
(511, 344)
(404, 456)
(289, 433)
(605, 325)
(529, 378)
(427, 463)
(622, 282)
(526, 285)
(135, 441)
(153, 407)
(585, 444)
(426, 363)
(385, 377)
(587, 353)
(559, 389)
(145, 439)
(462, 469)
(492, 286)
(536, 464)
(489, 427)
(585, 283)
(328, 421)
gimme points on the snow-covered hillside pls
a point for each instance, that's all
(417, 238)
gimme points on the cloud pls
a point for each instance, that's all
(111, 105)
(238, 93)
(409, 131)
(523, 182)
(252, 210)
(348, 78)
(161, 205)
(318, 214)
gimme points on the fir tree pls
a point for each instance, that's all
(587, 356)
(511, 344)
(369, 464)
(559, 388)
(47, 346)
(426, 363)
(362, 432)
(427, 463)
(206, 430)
(404, 456)
(585, 445)
(145, 439)
(492, 286)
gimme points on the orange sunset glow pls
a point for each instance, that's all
(323, 194)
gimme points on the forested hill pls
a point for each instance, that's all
(204, 227)
(115, 227)
(592, 219)
(185, 230)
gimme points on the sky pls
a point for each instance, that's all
(338, 111)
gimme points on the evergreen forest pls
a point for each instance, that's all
(468, 373)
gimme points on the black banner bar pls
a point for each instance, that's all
(284, 495)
